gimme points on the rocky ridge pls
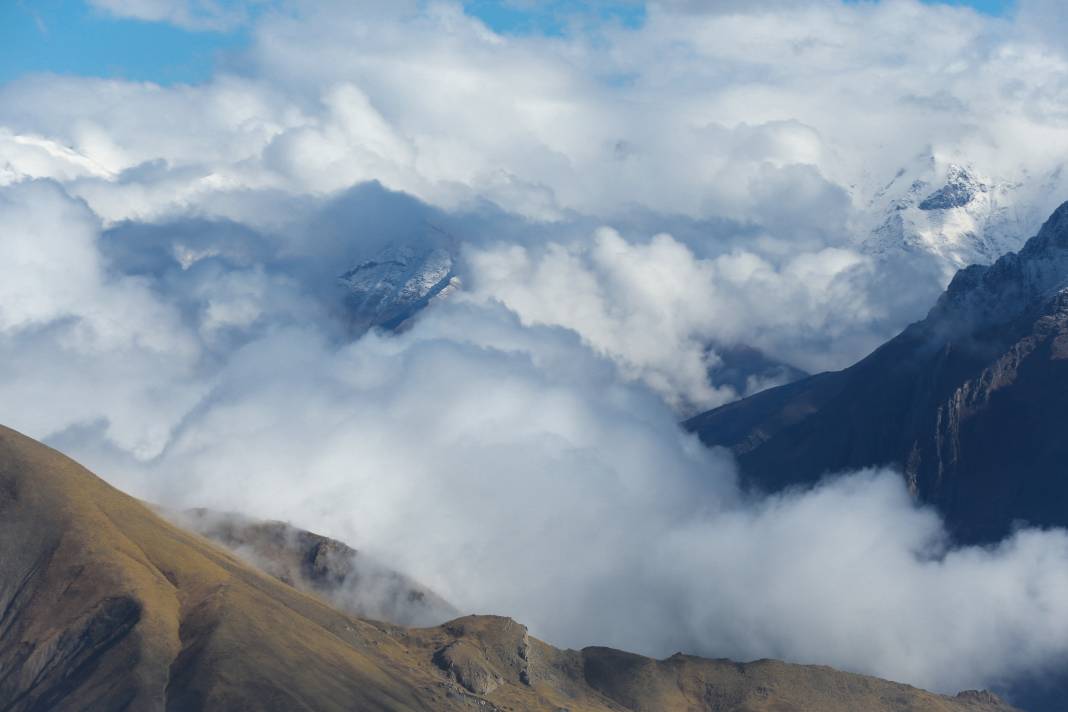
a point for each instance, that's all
(392, 287)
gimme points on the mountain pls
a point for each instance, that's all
(104, 606)
(349, 580)
(390, 288)
(967, 404)
(951, 215)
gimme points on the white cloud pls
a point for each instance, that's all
(656, 310)
(214, 15)
(23, 156)
(79, 345)
(505, 467)
(800, 110)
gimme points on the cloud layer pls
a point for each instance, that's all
(507, 464)
(624, 203)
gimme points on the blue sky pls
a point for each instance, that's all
(994, 7)
(68, 37)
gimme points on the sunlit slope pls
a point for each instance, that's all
(105, 606)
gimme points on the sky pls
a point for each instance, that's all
(74, 37)
(627, 194)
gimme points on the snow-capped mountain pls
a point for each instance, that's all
(387, 290)
(967, 404)
(955, 215)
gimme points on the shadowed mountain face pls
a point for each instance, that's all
(106, 607)
(967, 403)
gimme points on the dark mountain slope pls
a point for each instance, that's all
(106, 607)
(969, 403)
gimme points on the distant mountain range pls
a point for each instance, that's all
(968, 404)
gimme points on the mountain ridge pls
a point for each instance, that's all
(956, 402)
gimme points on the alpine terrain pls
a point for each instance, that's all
(945, 216)
(967, 403)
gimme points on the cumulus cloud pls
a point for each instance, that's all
(169, 310)
(659, 312)
(683, 115)
(102, 346)
(23, 155)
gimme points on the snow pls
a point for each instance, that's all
(954, 215)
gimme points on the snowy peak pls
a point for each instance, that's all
(1015, 283)
(393, 286)
(953, 216)
(960, 190)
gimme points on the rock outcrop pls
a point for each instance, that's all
(347, 579)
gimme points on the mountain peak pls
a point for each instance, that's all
(952, 215)
(388, 289)
(960, 189)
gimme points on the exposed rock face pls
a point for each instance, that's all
(485, 652)
(389, 289)
(347, 579)
(967, 403)
(106, 607)
(961, 188)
